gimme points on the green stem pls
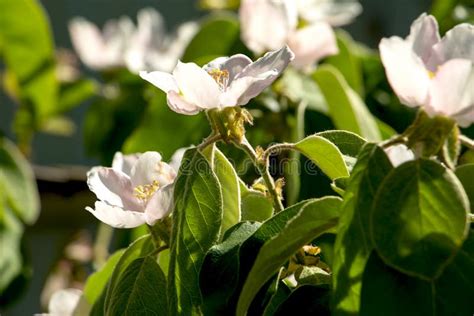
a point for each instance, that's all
(209, 140)
(160, 232)
(276, 149)
(102, 243)
(264, 172)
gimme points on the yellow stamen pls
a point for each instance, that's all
(431, 74)
(146, 191)
(220, 76)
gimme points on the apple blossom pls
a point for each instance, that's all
(432, 72)
(122, 44)
(399, 154)
(268, 24)
(224, 82)
(137, 189)
(63, 302)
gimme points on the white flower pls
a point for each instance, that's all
(137, 189)
(436, 74)
(122, 44)
(399, 154)
(64, 302)
(269, 24)
(224, 82)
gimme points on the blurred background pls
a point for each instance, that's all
(103, 111)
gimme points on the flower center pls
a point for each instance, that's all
(431, 74)
(144, 192)
(220, 76)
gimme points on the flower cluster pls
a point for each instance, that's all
(304, 25)
(432, 72)
(121, 43)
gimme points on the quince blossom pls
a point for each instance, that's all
(121, 43)
(224, 82)
(432, 72)
(137, 189)
(269, 24)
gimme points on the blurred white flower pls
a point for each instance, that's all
(145, 46)
(63, 302)
(224, 82)
(137, 189)
(399, 154)
(436, 74)
(269, 24)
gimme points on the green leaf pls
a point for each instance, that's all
(348, 143)
(307, 300)
(425, 209)
(73, 94)
(346, 108)
(174, 130)
(353, 245)
(18, 182)
(325, 155)
(141, 290)
(11, 231)
(465, 174)
(255, 205)
(217, 36)
(97, 282)
(27, 49)
(140, 248)
(197, 219)
(229, 184)
(220, 270)
(314, 219)
(347, 62)
(388, 290)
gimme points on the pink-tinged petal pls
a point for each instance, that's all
(242, 90)
(112, 186)
(312, 43)
(124, 163)
(405, 71)
(143, 172)
(265, 25)
(256, 77)
(424, 35)
(456, 43)
(399, 154)
(233, 65)
(196, 86)
(160, 204)
(88, 43)
(179, 105)
(336, 14)
(117, 217)
(162, 80)
(452, 91)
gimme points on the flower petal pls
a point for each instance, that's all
(112, 186)
(256, 77)
(175, 161)
(196, 85)
(88, 43)
(149, 168)
(234, 65)
(160, 205)
(452, 91)
(265, 25)
(424, 35)
(124, 163)
(162, 80)
(179, 105)
(63, 302)
(456, 43)
(312, 43)
(399, 154)
(405, 71)
(336, 14)
(117, 217)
